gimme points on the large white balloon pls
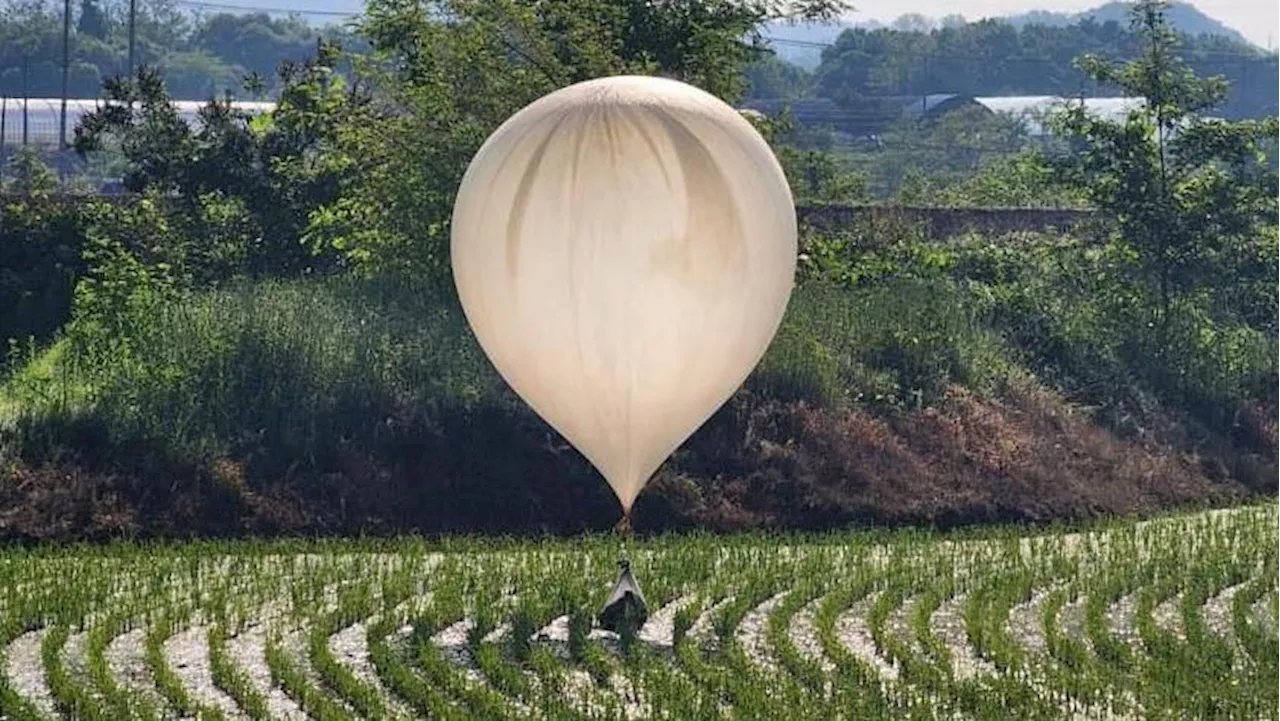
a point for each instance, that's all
(624, 249)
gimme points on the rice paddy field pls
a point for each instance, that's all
(1173, 618)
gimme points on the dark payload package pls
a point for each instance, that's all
(625, 607)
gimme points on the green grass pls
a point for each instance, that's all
(39, 382)
(309, 389)
(291, 367)
(406, 590)
(287, 368)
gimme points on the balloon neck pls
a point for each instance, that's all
(624, 526)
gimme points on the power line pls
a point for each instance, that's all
(200, 4)
(798, 43)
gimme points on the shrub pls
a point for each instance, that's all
(40, 245)
(293, 367)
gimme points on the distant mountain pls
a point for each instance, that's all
(801, 43)
(1184, 17)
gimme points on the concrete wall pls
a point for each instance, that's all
(946, 222)
(942, 222)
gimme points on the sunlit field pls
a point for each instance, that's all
(1171, 618)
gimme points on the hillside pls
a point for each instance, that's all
(993, 59)
(1184, 17)
(346, 406)
(801, 43)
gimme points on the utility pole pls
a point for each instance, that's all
(4, 115)
(924, 89)
(133, 23)
(66, 66)
(26, 72)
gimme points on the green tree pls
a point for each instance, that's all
(1020, 180)
(1188, 193)
(992, 57)
(772, 77)
(275, 169)
(447, 74)
(29, 40)
(196, 75)
(817, 176)
(93, 21)
(163, 26)
(1190, 271)
(40, 245)
(254, 42)
(28, 174)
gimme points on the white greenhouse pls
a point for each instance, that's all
(43, 117)
(1033, 110)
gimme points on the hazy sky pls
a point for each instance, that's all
(1257, 20)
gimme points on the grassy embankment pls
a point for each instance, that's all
(920, 381)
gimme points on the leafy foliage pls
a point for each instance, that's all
(272, 171)
(1187, 192)
(202, 56)
(26, 174)
(40, 261)
(1193, 199)
(993, 57)
(132, 256)
(443, 80)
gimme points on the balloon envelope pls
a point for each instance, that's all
(624, 249)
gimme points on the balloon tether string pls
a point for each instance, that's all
(624, 532)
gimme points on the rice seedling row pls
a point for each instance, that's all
(1171, 618)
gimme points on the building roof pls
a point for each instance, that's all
(1033, 109)
(932, 104)
(1113, 108)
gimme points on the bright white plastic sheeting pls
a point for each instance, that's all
(624, 249)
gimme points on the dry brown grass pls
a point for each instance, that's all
(1030, 457)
